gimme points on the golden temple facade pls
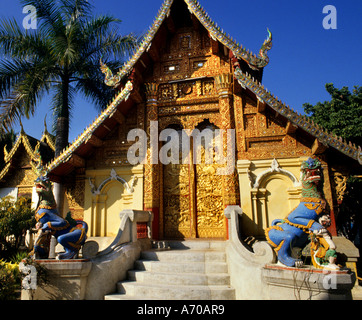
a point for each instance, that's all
(187, 75)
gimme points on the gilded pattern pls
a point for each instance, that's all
(75, 197)
(209, 195)
(339, 183)
(151, 181)
(224, 83)
(176, 201)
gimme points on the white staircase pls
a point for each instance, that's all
(178, 270)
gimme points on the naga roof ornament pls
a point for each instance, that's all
(303, 122)
(216, 33)
(254, 62)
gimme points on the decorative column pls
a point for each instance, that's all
(152, 176)
(224, 86)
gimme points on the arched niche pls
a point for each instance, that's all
(275, 194)
(109, 199)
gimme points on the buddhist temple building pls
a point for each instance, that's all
(19, 173)
(187, 74)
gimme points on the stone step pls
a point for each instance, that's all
(176, 292)
(122, 296)
(189, 244)
(179, 278)
(183, 255)
(178, 270)
(181, 267)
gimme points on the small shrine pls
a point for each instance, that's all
(19, 173)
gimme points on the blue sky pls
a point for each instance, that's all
(304, 57)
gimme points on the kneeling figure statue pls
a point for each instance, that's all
(70, 233)
(306, 221)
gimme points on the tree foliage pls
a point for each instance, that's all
(342, 115)
(16, 217)
(350, 213)
(9, 280)
(60, 58)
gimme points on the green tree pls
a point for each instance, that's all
(342, 115)
(61, 57)
(16, 217)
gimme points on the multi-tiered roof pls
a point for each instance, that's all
(245, 79)
(35, 149)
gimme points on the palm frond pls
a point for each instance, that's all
(76, 9)
(10, 112)
(16, 42)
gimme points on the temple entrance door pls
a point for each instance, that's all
(192, 200)
(177, 202)
(209, 202)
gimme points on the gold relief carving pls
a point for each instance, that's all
(199, 87)
(239, 125)
(223, 82)
(176, 203)
(340, 185)
(274, 152)
(151, 184)
(264, 143)
(191, 121)
(75, 194)
(185, 90)
(250, 122)
(177, 110)
(151, 90)
(22, 177)
(75, 197)
(166, 92)
(193, 200)
(175, 90)
(209, 195)
(208, 87)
